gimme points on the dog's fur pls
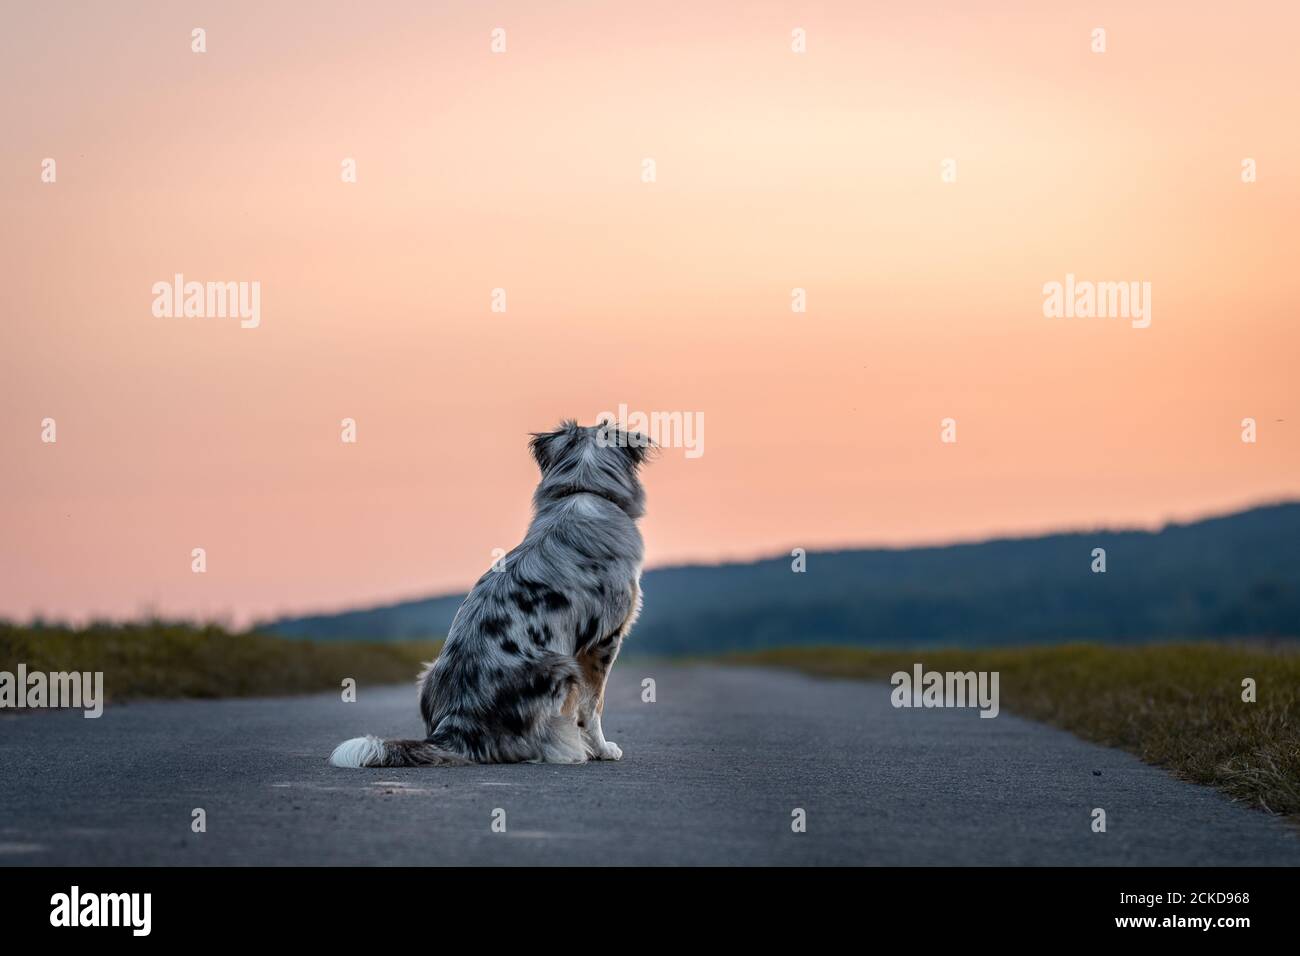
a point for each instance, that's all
(522, 674)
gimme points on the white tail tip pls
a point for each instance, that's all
(358, 752)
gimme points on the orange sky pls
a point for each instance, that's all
(522, 170)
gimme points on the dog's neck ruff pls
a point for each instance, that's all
(568, 491)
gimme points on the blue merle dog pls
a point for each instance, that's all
(522, 674)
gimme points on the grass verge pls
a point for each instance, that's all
(158, 659)
(1177, 706)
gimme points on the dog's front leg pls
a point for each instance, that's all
(596, 663)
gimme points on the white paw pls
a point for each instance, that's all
(611, 751)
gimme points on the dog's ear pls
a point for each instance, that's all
(543, 448)
(548, 446)
(634, 445)
(637, 447)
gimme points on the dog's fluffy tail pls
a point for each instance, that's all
(370, 751)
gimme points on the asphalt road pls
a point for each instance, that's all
(712, 772)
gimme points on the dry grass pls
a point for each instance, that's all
(1177, 706)
(158, 659)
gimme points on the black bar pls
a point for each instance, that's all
(435, 906)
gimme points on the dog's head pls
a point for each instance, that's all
(600, 459)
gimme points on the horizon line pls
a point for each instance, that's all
(1157, 527)
(254, 623)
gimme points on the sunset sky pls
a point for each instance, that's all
(522, 170)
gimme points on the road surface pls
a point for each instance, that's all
(714, 770)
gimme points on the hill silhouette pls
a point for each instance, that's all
(1231, 576)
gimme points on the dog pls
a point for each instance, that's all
(522, 674)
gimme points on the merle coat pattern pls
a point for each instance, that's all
(522, 674)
